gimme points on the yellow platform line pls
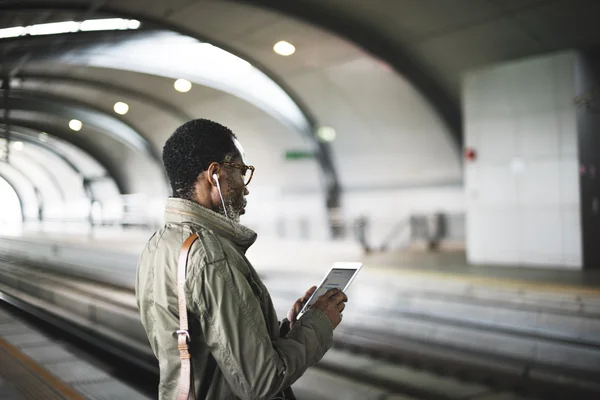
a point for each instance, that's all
(16, 365)
(509, 283)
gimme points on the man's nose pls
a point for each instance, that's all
(246, 191)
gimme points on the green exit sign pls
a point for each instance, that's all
(299, 154)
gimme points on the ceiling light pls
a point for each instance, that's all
(284, 48)
(182, 85)
(326, 134)
(18, 146)
(75, 124)
(121, 108)
(54, 28)
(133, 24)
(107, 24)
(43, 137)
(11, 32)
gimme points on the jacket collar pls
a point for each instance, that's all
(181, 211)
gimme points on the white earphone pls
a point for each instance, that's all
(216, 178)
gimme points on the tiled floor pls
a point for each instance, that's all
(50, 366)
(8, 391)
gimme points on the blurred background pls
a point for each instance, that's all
(450, 145)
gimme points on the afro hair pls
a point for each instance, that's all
(191, 149)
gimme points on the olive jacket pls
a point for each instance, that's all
(239, 349)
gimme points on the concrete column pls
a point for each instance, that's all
(587, 74)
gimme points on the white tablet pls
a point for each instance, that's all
(339, 276)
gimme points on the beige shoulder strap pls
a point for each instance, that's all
(186, 387)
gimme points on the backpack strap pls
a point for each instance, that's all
(186, 387)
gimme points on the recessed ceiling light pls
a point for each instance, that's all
(121, 108)
(54, 28)
(133, 24)
(43, 137)
(12, 32)
(109, 24)
(284, 48)
(18, 146)
(182, 85)
(326, 134)
(75, 124)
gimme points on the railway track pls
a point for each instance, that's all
(339, 376)
(369, 363)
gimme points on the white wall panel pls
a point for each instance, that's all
(541, 240)
(568, 125)
(573, 256)
(539, 184)
(498, 141)
(539, 134)
(522, 191)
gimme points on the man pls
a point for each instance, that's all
(238, 348)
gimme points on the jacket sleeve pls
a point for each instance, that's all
(284, 327)
(235, 331)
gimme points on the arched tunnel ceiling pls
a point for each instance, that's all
(245, 30)
(69, 108)
(446, 38)
(131, 171)
(80, 164)
(171, 55)
(429, 42)
(12, 210)
(44, 172)
(73, 169)
(263, 136)
(55, 69)
(28, 193)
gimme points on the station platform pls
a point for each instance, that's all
(34, 366)
(452, 264)
(430, 308)
(269, 254)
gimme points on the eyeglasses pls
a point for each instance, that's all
(244, 168)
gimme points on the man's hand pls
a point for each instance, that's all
(297, 307)
(332, 304)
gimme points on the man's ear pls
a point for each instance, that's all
(213, 169)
